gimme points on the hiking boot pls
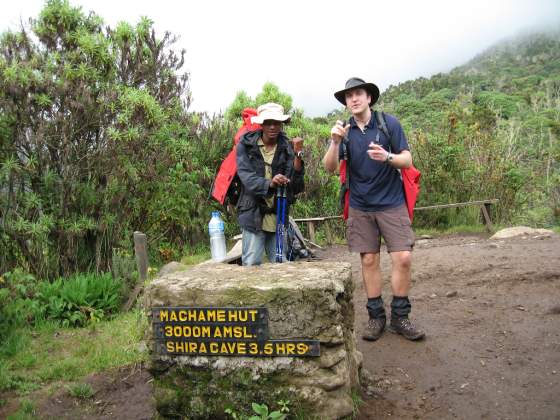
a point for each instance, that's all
(374, 329)
(406, 328)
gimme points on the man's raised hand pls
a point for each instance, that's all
(339, 131)
(297, 144)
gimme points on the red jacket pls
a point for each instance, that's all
(228, 168)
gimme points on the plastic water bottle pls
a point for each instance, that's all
(217, 237)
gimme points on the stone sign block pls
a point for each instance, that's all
(226, 336)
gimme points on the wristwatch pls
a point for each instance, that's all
(389, 158)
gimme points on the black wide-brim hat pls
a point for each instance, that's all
(354, 83)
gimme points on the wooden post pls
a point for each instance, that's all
(328, 232)
(486, 216)
(488, 207)
(141, 253)
(311, 230)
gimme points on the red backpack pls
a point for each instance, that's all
(227, 183)
(410, 176)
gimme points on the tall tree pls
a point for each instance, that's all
(88, 115)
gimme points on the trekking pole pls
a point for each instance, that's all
(278, 225)
(345, 142)
(283, 226)
(280, 220)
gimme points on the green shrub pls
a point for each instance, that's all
(80, 299)
(74, 301)
(17, 288)
(505, 105)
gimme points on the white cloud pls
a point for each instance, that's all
(308, 48)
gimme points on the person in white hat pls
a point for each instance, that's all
(376, 204)
(266, 161)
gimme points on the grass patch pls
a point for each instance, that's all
(356, 403)
(47, 353)
(13, 345)
(81, 391)
(26, 411)
(459, 229)
(194, 259)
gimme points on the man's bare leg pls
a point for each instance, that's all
(400, 273)
(371, 273)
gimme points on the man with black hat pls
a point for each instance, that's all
(266, 161)
(377, 205)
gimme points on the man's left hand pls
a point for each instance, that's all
(377, 152)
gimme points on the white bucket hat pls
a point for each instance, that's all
(270, 111)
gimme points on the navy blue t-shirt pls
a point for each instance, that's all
(374, 186)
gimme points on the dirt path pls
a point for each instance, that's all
(491, 310)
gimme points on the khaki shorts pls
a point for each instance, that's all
(364, 230)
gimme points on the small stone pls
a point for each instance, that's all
(542, 237)
(433, 295)
(555, 310)
(142, 347)
(171, 268)
(451, 294)
(482, 362)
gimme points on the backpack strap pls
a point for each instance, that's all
(381, 123)
(346, 157)
(382, 126)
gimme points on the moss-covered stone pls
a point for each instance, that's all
(199, 393)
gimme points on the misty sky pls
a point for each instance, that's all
(309, 48)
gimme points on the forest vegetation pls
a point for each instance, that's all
(97, 141)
